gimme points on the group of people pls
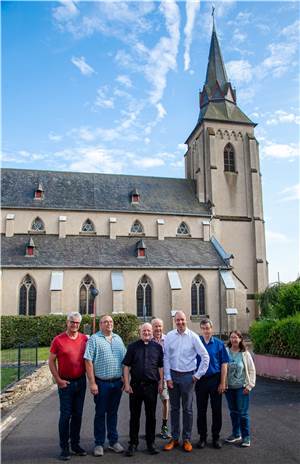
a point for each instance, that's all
(173, 366)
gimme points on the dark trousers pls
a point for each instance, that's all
(71, 401)
(106, 406)
(147, 393)
(207, 387)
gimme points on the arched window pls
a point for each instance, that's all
(198, 297)
(229, 164)
(144, 297)
(86, 299)
(183, 229)
(27, 297)
(37, 225)
(88, 226)
(137, 228)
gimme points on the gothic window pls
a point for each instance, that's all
(86, 299)
(198, 297)
(137, 228)
(183, 229)
(229, 158)
(88, 226)
(27, 297)
(37, 225)
(144, 297)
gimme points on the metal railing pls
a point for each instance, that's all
(17, 362)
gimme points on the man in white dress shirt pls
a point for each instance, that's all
(181, 347)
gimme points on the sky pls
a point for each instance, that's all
(113, 87)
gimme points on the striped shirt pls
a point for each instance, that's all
(106, 356)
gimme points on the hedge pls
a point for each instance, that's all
(22, 329)
(277, 337)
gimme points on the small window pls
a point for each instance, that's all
(229, 164)
(144, 297)
(27, 297)
(86, 299)
(37, 225)
(137, 228)
(39, 192)
(88, 226)
(135, 196)
(183, 229)
(198, 297)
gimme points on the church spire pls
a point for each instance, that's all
(216, 71)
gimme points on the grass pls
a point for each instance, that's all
(10, 356)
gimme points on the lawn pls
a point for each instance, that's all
(10, 357)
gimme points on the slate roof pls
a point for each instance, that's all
(215, 69)
(104, 253)
(224, 111)
(99, 192)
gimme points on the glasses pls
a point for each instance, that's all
(74, 322)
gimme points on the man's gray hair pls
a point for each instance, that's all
(157, 319)
(74, 314)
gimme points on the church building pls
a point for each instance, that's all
(150, 245)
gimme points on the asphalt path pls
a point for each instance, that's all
(275, 433)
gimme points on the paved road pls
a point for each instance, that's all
(275, 416)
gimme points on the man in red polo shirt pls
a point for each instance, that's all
(67, 366)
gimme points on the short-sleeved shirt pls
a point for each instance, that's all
(218, 355)
(69, 353)
(144, 359)
(106, 356)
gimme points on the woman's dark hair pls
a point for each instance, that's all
(242, 345)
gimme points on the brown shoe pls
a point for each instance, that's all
(172, 444)
(187, 446)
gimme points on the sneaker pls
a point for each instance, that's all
(187, 446)
(217, 444)
(172, 444)
(233, 439)
(78, 451)
(65, 454)
(245, 442)
(130, 451)
(98, 450)
(164, 433)
(152, 450)
(201, 443)
(116, 447)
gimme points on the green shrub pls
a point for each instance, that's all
(280, 338)
(19, 329)
(280, 300)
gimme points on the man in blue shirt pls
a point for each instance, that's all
(104, 356)
(211, 385)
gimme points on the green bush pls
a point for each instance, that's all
(280, 338)
(19, 329)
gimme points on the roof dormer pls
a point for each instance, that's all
(30, 248)
(39, 192)
(135, 197)
(141, 249)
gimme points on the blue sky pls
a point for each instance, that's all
(113, 87)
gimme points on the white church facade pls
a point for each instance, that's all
(150, 245)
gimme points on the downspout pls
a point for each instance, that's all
(220, 306)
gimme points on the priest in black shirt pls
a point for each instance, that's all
(144, 361)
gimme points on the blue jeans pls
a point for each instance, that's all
(182, 391)
(71, 401)
(238, 405)
(106, 406)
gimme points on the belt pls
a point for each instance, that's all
(69, 379)
(114, 379)
(182, 373)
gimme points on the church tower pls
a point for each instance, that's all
(223, 159)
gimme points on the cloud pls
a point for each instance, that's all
(162, 58)
(124, 80)
(96, 159)
(292, 31)
(161, 112)
(281, 116)
(291, 193)
(276, 237)
(191, 10)
(145, 163)
(239, 71)
(102, 99)
(279, 60)
(280, 150)
(54, 137)
(68, 10)
(82, 65)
